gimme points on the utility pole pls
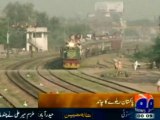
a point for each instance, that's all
(31, 51)
(7, 44)
(159, 25)
(30, 46)
(8, 35)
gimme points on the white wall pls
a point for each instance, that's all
(41, 42)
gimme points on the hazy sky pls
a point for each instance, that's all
(134, 9)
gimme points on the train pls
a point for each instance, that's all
(73, 52)
(71, 56)
(101, 47)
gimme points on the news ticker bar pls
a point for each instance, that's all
(89, 100)
(76, 114)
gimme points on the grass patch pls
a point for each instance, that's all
(113, 74)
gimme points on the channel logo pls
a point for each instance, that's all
(144, 105)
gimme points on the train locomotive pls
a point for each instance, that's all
(73, 51)
(71, 55)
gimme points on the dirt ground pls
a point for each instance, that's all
(103, 66)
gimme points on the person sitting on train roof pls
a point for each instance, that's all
(70, 41)
(77, 38)
(72, 38)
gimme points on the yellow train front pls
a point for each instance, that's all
(71, 63)
(71, 57)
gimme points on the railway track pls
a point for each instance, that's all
(5, 95)
(5, 101)
(55, 79)
(88, 84)
(36, 63)
(110, 82)
(27, 62)
(51, 79)
(13, 74)
(31, 89)
(106, 83)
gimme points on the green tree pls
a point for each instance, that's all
(152, 53)
(155, 51)
(18, 15)
(55, 34)
(42, 19)
(77, 28)
(3, 30)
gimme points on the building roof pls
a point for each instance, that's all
(37, 29)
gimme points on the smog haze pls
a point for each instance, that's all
(133, 9)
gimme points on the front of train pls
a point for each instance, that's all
(71, 59)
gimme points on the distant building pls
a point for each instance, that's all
(107, 17)
(110, 6)
(37, 39)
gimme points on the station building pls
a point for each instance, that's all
(37, 39)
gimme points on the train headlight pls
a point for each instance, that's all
(71, 44)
